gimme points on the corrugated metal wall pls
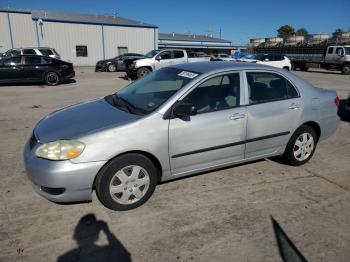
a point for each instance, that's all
(64, 37)
(138, 40)
(5, 42)
(23, 30)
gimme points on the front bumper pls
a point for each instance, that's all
(100, 67)
(60, 181)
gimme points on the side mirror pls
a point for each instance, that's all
(158, 58)
(184, 109)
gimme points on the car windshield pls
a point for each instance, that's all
(148, 93)
(347, 50)
(152, 53)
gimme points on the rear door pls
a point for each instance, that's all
(178, 57)
(215, 136)
(273, 111)
(33, 67)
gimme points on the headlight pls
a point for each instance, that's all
(60, 150)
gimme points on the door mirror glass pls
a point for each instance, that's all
(184, 109)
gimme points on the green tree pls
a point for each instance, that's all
(302, 32)
(285, 31)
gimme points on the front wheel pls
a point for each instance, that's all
(301, 146)
(52, 79)
(346, 69)
(111, 68)
(126, 182)
(141, 72)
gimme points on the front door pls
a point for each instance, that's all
(165, 60)
(273, 112)
(215, 136)
(11, 69)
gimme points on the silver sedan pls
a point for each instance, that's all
(175, 122)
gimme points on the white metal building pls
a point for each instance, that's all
(78, 38)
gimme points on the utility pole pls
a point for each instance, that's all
(220, 32)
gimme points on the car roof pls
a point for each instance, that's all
(213, 66)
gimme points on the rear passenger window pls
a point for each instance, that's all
(217, 93)
(330, 50)
(46, 52)
(33, 60)
(29, 52)
(268, 87)
(178, 54)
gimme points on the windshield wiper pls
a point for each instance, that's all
(116, 101)
(127, 105)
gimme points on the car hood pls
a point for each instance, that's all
(105, 61)
(79, 120)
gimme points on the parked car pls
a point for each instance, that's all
(222, 57)
(197, 54)
(275, 60)
(34, 68)
(157, 59)
(116, 63)
(176, 121)
(45, 51)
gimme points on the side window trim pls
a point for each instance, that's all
(246, 102)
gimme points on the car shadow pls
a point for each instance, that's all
(321, 72)
(287, 250)
(343, 113)
(41, 84)
(86, 234)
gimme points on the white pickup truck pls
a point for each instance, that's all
(156, 59)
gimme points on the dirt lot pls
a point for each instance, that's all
(224, 215)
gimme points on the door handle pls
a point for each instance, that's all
(237, 116)
(294, 106)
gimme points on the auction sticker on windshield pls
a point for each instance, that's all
(188, 74)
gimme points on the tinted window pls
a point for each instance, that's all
(330, 50)
(267, 87)
(217, 93)
(13, 61)
(178, 54)
(165, 55)
(81, 51)
(33, 60)
(340, 51)
(13, 52)
(46, 52)
(29, 52)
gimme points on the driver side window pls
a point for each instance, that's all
(217, 93)
(165, 55)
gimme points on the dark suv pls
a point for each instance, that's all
(117, 63)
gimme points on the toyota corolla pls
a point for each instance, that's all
(175, 122)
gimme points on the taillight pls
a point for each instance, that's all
(337, 101)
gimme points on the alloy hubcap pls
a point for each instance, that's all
(143, 72)
(303, 147)
(129, 184)
(112, 68)
(52, 78)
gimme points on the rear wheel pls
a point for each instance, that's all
(346, 69)
(301, 146)
(52, 79)
(141, 72)
(126, 182)
(111, 68)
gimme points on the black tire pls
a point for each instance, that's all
(288, 156)
(141, 72)
(111, 68)
(52, 78)
(346, 69)
(108, 172)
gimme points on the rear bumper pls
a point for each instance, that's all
(60, 181)
(69, 76)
